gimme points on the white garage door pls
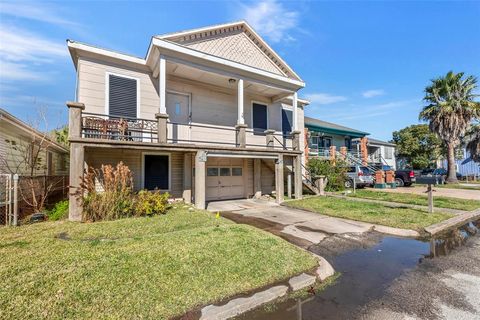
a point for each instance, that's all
(224, 179)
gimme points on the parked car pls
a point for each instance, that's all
(359, 175)
(440, 174)
(405, 178)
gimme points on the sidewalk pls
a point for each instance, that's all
(286, 221)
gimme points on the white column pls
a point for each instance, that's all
(294, 113)
(240, 117)
(162, 88)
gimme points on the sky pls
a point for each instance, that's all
(365, 63)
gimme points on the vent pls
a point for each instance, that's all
(122, 96)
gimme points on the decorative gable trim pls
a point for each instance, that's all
(202, 34)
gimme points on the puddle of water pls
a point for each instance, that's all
(367, 271)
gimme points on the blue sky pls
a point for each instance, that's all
(365, 63)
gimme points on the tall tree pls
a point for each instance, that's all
(472, 140)
(417, 145)
(450, 109)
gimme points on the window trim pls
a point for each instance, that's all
(251, 113)
(107, 91)
(169, 169)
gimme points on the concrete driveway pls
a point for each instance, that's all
(286, 222)
(445, 192)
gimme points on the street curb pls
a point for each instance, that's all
(241, 305)
(456, 221)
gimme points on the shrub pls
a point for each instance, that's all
(59, 211)
(150, 203)
(109, 193)
(335, 173)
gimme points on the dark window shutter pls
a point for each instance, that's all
(259, 118)
(287, 121)
(122, 96)
(156, 172)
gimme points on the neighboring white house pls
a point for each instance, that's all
(207, 114)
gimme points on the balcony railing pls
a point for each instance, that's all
(118, 128)
(100, 126)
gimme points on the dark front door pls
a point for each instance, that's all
(156, 172)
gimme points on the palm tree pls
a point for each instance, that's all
(473, 142)
(450, 109)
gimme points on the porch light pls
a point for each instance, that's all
(232, 81)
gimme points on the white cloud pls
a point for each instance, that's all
(324, 98)
(373, 93)
(372, 111)
(34, 12)
(23, 53)
(272, 20)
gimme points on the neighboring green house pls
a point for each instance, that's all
(322, 135)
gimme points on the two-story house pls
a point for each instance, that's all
(321, 136)
(207, 114)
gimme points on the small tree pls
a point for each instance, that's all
(418, 145)
(450, 109)
(335, 173)
(28, 157)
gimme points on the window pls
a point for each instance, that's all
(178, 109)
(157, 172)
(388, 153)
(212, 172)
(287, 121)
(49, 163)
(236, 172)
(259, 118)
(348, 143)
(122, 96)
(224, 172)
(325, 142)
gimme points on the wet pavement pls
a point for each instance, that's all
(382, 278)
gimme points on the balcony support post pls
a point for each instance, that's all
(162, 85)
(240, 116)
(241, 137)
(75, 192)
(296, 140)
(200, 164)
(279, 183)
(75, 119)
(162, 127)
(297, 172)
(294, 112)
(269, 134)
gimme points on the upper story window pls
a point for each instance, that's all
(388, 153)
(287, 116)
(259, 118)
(122, 96)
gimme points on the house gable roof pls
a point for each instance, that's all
(235, 41)
(380, 142)
(333, 128)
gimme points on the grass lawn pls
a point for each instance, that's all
(156, 267)
(438, 201)
(404, 218)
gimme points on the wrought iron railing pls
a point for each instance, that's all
(118, 128)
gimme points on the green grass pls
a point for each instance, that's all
(404, 218)
(407, 198)
(156, 267)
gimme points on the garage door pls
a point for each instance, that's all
(224, 179)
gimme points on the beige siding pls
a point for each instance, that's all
(12, 156)
(95, 157)
(92, 86)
